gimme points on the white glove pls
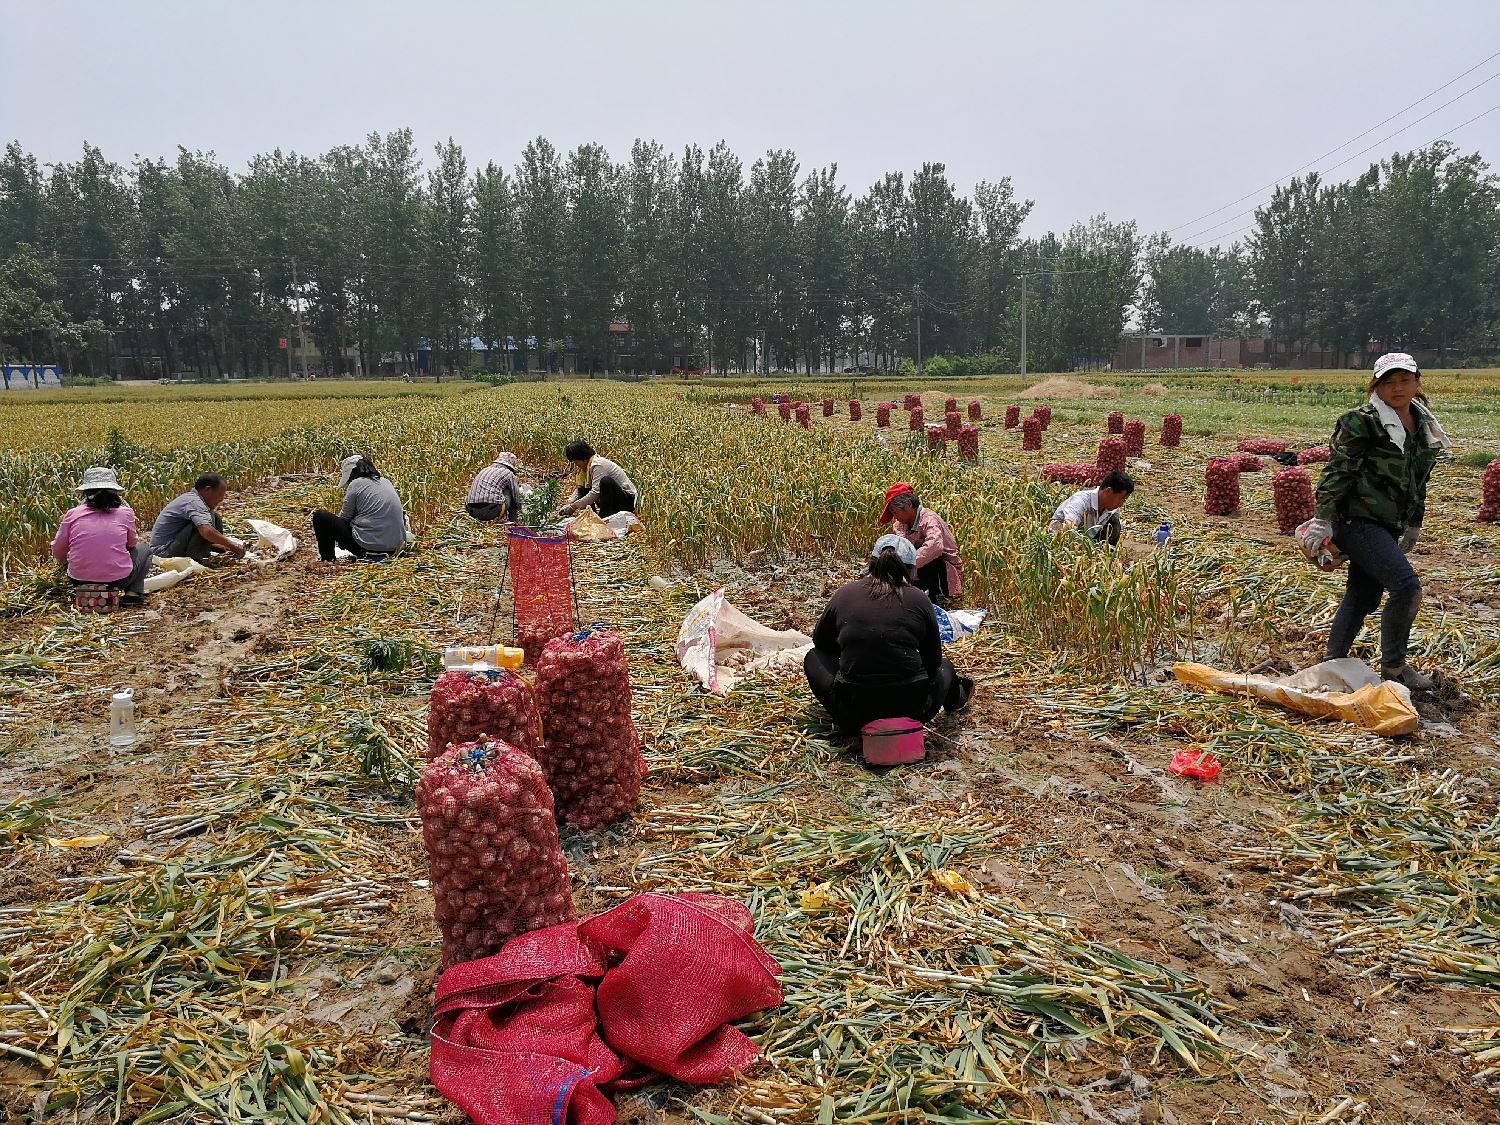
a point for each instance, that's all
(1315, 538)
(1408, 538)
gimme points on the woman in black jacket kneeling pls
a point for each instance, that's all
(877, 653)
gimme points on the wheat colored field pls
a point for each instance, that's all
(231, 920)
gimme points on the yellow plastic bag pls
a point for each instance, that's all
(587, 527)
(1379, 706)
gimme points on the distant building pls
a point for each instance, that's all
(1158, 351)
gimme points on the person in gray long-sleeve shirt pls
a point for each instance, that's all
(371, 521)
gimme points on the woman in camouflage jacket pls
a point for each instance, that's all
(1373, 494)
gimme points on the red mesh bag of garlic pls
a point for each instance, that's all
(950, 405)
(952, 422)
(1116, 422)
(1135, 438)
(784, 411)
(1316, 455)
(1264, 446)
(1110, 456)
(492, 849)
(937, 440)
(1248, 462)
(1171, 430)
(758, 406)
(1070, 472)
(976, 410)
(1031, 433)
(1221, 487)
(804, 416)
(467, 705)
(856, 411)
(1489, 504)
(914, 419)
(968, 443)
(882, 414)
(1292, 492)
(828, 408)
(1045, 414)
(1012, 417)
(911, 402)
(593, 756)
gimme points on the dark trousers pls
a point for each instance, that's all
(333, 530)
(612, 499)
(485, 513)
(140, 567)
(189, 544)
(932, 580)
(851, 706)
(1376, 566)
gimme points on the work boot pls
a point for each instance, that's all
(1409, 676)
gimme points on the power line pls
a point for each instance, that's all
(1351, 140)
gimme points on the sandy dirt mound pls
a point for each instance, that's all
(1066, 388)
(1156, 389)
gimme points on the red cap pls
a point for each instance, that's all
(890, 494)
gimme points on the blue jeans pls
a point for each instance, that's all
(1376, 566)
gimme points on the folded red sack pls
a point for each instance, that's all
(515, 1035)
(690, 965)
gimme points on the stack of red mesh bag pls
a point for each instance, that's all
(758, 406)
(856, 411)
(545, 1031)
(593, 756)
(882, 414)
(968, 443)
(466, 705)
(1292, 492)
(1110, 457)
(1221, 492)
(914, 419)
(492, 847)
(1115, 423)
(1044, 413)
(976, 410)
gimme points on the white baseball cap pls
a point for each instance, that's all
(1395, 361)
(898, 543)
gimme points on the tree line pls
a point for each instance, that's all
(766, 268)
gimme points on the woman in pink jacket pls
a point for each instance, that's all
(97, 538)
(940, 571)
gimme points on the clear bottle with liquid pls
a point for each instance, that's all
(122, 719)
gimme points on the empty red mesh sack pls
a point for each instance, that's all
(688, 966)
(492, 848)
(1012, 417)
(1171, 430)
(1115, 423)
(515, 1037)
(1489, 505)
(466, 705)
(542, 587)
(1135, 438)
(592, 756)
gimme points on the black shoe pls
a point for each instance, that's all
(959, 694)
(1409, 676)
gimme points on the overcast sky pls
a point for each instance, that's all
(1153, 111)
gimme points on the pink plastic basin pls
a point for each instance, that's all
(890, 742)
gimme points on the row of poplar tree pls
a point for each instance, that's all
(765, 268)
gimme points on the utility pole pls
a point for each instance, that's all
(301, 340)
(1023, 326)
(916, 299)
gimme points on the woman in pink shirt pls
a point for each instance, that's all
(97, 538)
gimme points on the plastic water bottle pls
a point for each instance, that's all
(1163, 533)
(483, 659)
(122, 718)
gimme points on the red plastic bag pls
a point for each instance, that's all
(1197, 764)
(690, 965)
(542, 587)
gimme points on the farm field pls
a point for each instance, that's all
(231, 919)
